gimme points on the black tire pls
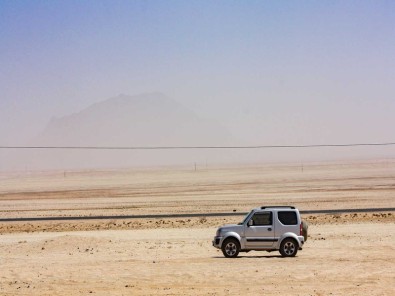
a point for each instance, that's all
(289, 247)
(230, 248)
(305, 227)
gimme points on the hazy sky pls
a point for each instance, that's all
(272, 72)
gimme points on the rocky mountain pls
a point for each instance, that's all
(143, 120)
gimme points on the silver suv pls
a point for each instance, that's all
(264, 229)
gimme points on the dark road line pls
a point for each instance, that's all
(342, 211)
(190, 215)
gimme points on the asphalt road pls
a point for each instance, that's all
(186, 215)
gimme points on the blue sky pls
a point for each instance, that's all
(273, 72)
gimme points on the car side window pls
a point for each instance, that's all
(288, 218)
(262, 219)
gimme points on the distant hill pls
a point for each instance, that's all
(143, 120)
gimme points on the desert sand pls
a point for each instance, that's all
(347, 254)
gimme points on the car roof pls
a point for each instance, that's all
(275, 208)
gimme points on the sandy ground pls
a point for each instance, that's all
(344, 259)
(348, 254)
(181, 190)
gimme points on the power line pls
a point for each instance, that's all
(194, 147)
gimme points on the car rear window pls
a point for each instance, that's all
(288, 218)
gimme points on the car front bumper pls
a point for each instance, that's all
(217, 241)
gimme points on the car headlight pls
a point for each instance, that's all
(218, 232)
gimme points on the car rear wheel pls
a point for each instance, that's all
(289, 247)
(230, 248)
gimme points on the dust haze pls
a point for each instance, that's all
(197, 73)
(154, 119)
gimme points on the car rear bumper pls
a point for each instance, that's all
(301, 242)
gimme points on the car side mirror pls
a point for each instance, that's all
(250, 223)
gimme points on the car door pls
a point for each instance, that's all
(259, 231)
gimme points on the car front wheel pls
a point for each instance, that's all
(230, 248)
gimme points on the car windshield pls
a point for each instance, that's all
(245, 218)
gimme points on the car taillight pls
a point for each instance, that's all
(301, 228)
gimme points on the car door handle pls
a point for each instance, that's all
(269, 229)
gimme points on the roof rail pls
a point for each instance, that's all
(269, 207)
